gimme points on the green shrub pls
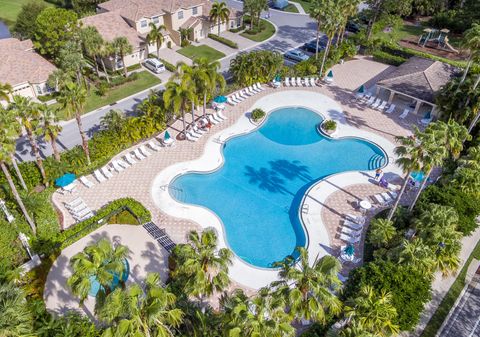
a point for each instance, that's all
(239, 29)
(81, 229)
(381, 56)
(258, 114)
(329, 125)
(47, 97)
(170, 67)
(223, 40)
(102, 88)
(119, 80)
(133, 67)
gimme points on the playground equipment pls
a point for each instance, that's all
(436, 38)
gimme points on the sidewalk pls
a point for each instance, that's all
(440, 285)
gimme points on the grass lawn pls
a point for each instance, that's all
(267, 32)
(9, 9)
(450, 298)
(305, 4)
(94, 101)
(192, 52)
(291, 9)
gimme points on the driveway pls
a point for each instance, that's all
(293, 30)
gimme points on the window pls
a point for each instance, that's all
(180, 15)
(232, 24)
(143, 23)
(194, 10)
(156, 19)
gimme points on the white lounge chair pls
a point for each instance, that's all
(254, 90)
(80, 208)
(106, 172)
(387, 197)
(190, 137)
(84, 180)
(122, 163)
(70, 188)
(144, 151)
(313, 82)
(153, 146)
(116, 166)
(198, 130)
(230, 101)
(243, 94)
(100, 177)
(367, 96)
(287, 82)
(221, 115)
(349, 239)
(390, 109)
(249, 91)
(306, 81)
(378, 198)
(129, 158)
(239, 97)
(405, 113)
(383, 105)
(351, 232)
(356, 218)
(212, 120)
(352, 225)
(371, 100)
(137, 154)
(299, 82)
(234, 99)
(259, 86)
(74, 203)
(376, 103)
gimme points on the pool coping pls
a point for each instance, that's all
(212, 158)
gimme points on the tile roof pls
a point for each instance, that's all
(21, 64)
(192, 21)
(111, 25)
(419, 77)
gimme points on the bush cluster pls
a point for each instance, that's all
(223, 40)
(258, 114)
(329, 125)
(387, 58)
(238, 29)
(170, 67)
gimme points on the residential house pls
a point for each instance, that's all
(132, 18)
(25, 70)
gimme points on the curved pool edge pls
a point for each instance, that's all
(212, 158)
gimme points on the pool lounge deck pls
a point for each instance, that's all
(354, 118)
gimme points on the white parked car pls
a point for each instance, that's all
(154, 65)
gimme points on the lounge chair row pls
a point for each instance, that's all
(199, 129)
(242, 95)
(384, 198)
(79, 209)
(352, 228)
(70, 188)
(299, 82)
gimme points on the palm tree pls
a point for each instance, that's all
(417, 254)
(374, 312)
(439, 141)
(99, 261)
(28, 116)
(177, 96)
(472, 42)
(381, 231)
(201, 266)
(156, 36)
(51, 130)
(106, 50)
(8, 135)
(308, 288)
(123, 47)
(219, 14)
(134, 312)
(72, 98)
(330, 24)
(113, 120)
(5, 91)
(466, 174)
(92, 43)
(16, 319)
(410, 155)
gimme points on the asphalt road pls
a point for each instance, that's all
(465, 318)
(293, 30)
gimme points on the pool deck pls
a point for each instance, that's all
(146, 181)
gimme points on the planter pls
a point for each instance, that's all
(329, 127)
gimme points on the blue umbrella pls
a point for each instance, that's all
(166, 136)
(330, 73)
(361, 90)
(277, 78)
(418, 176)
(66, 179)
(349, 250)
(220, 99)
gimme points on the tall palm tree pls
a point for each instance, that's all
(16, 319)
(439, 141)
(471, 41)
(72, 98)
(156, 36)
(201, 266)
(178, 96)
(51, 130)
(8, 135)
(134, 312)
(417, 254)
(219, 14)
(101, 261)
(190, 76)
(373, 311)
(381, 231)
(308, 288)
(5, 91)
(410, 155)
(123, 47)
(330, 24)
(92, 43)
(29, 117)
(106, 50)
(466, 174)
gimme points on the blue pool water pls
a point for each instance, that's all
(258, 190)
(95, 285)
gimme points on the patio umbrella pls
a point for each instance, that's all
(277, 78)
(330, 74)
(417, 176)
(65, 180)
(220, 99)
(166, 136)
(349, 250)
(361, 90)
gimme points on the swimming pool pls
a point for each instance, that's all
(258, 190)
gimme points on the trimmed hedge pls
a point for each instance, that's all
(239, 29)
(170, 67)
(387, 58)
(81, 229)
(223, 40)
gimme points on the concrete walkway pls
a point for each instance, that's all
(299, 7)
